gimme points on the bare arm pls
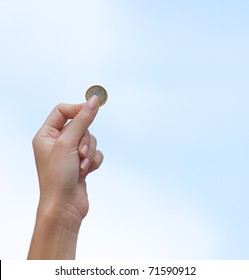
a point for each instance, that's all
(64, 155)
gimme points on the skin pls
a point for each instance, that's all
(65, 153)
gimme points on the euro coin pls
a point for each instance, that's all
(99, 91)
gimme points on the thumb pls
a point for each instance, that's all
(80, 123)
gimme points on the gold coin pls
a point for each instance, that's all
(99, 91)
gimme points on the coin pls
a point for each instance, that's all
(99, 91)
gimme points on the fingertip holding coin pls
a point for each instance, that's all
(99, 91)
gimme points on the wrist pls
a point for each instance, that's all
(52, 239)
(58, 215)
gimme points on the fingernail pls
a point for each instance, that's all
(84, 150)
(84, 164)
(92, 103)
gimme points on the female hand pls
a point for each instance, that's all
(65, 154)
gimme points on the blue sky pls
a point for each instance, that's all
(175, 132)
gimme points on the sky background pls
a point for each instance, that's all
(175, 130)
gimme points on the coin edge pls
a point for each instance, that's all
(101, 104)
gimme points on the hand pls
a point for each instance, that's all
(65, 154)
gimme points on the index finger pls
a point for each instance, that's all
(80, 123)
(61, 114)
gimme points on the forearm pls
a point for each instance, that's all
(52, 240)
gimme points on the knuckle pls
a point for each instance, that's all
(34, 141)
(86, 137)
(97, 165)
(58, 106)
(91, 154)
(93, 138)
(87, 133)
(101, 157)
(98, 158)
